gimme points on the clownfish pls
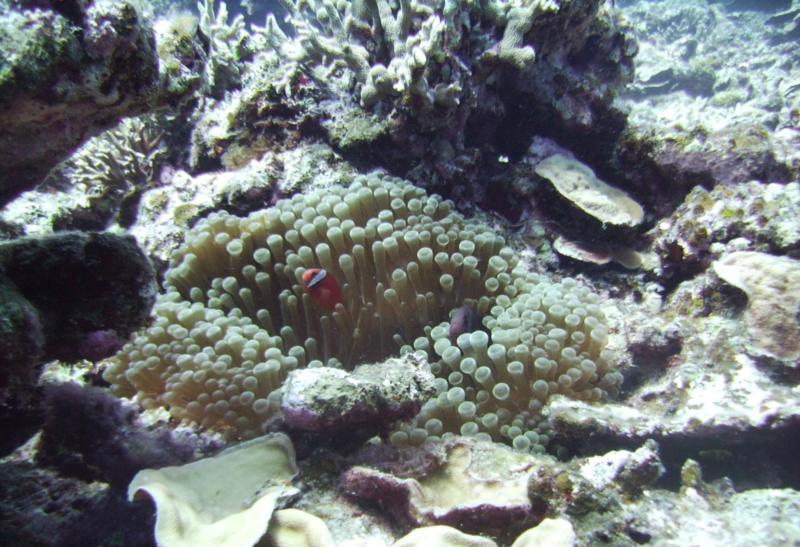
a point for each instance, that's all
(323, 288)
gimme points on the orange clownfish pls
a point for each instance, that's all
(323, 288)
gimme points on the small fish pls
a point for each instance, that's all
(463, 319)
(323, 288)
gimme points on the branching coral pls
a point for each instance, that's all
(127, 155)
(422, 52)
(113, 167)
(228, 46)
(393, 50)
(236, 318)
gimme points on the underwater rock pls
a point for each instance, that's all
(353, 406)
(68, 296)
(584, 487)
(90, 434)
(627, 471)
(226, 500)
(110, 56)
(21, 342)
(81, 284)
(772, 285)
(709, 223)
(702, 513)
(721, 399)
(40, 507)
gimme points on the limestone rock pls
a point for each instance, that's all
(772, 284)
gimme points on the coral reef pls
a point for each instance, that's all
(486, 488)
(442, 371)
(236, 318)
(391, 51)
(114, 72)
(709, 223)
(724, 113)
(100, 184)
(415, 86)
(228, 47)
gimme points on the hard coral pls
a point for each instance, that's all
(226, 500)
(477, 488)
(236, 317)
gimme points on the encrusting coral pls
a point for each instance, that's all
(236, 317)
(226, 500)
